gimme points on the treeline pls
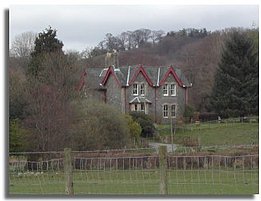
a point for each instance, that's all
(140, 38)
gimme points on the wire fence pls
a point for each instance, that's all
(132, 172)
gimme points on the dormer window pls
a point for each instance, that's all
(135, 89)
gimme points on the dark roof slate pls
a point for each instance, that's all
(95, 75)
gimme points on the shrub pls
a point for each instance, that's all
(208, 116)
(17, 136)
(196, 116)
(134, 128)
(146, 123)
(188, 113)
(99, 126)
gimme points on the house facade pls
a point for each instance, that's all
(160, 92)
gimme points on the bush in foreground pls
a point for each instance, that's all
(99, 126)
(146, 123)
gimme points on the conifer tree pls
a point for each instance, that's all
(45, 43)
(235, 91)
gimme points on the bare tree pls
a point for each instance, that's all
(49, 119)
(49, 97)
(111, 42)
(129, 39)
(23, 44)
(146, 34)
(156, 36)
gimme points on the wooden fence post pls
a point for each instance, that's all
(68, 171)
(163, 170)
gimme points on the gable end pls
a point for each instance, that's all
(145, 75)
(171, 71)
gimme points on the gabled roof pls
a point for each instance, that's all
(97, 78)
(143, 72)
(93, 79)
(110, 72)
(171, 71)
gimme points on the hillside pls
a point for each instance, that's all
(196, 52)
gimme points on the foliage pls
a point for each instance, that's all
(49, 95)
(235, 89)
(17, 95)
(46, 42)
(146, 123)
(208, 116)
(48, 119)
(98, 126)
(134, 127)
(17, 136)
(48, 89)
(196, 116)
(188, 113)
(127, 40)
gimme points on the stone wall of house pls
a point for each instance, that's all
(119, 97)
(179, 100)
(155, 95)
(149, 94)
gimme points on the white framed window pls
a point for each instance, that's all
(165, 111)
(173, 111)
(173, 89)
(135, 89)
(142, 89)
(165, 90)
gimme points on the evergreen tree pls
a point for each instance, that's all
(235, 91)
(45, 43)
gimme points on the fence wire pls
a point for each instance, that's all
(131, 173)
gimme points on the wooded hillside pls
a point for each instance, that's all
(196, 52)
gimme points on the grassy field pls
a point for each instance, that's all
(203, 181)
(139, 182)
(216, 134)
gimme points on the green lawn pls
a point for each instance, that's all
(203, 181)
(216, 134)
(138, 182)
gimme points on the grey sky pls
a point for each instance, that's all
(85, 26)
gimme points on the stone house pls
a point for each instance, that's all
(160, 92)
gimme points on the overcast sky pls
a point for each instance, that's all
(85, 26)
